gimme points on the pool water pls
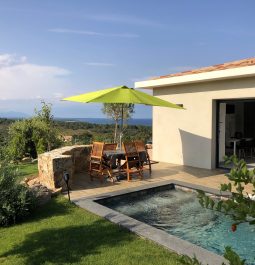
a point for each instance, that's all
(179, 213)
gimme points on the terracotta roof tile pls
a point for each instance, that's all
(223, 66)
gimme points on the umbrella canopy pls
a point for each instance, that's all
(122, 95)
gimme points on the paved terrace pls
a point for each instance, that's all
(83, 187)
(75, 160)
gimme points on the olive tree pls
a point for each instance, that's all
(21, 142)
(30, 137)
(114, 112)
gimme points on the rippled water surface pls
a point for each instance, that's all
(179, 213)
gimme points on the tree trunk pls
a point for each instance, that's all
(115, 131)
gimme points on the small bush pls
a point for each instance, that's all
(232, 257)
(33, 136)
(16, 200)
(186, 260)
(229, 255)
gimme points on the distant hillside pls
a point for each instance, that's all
(13, 114)
(85, 132)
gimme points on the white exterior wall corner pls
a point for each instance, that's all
(188, 137)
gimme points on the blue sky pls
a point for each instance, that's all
(52, 49)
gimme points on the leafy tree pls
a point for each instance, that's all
(45, 136)
(21, 141)
(45, 113)
(135, 132)
(114, 112)
(33, 136)
(45, 130)
(84, 138)
(4, 125)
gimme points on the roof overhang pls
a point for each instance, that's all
(245, 71)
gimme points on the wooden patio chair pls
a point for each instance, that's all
(140, 147)
(96, 166)
(110, 147)
(108, 164)
(132, 164)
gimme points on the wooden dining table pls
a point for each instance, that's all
(116, 156)
(120, 154)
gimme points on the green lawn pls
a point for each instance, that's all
(27, 169)
(61, 233)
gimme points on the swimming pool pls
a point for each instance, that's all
(179, 213)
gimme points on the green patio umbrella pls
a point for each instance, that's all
(122, 95)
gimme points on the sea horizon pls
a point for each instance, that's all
(133, 121)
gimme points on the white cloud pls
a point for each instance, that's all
(93, 33)
(20, 79)
(99, 64)
(7, 59)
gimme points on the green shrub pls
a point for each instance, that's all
(232, 257)
(239, 206)
(21, 140)
(16, 200)
(33, 136)
(186, 260)
(229, 255)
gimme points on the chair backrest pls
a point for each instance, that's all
(97, 149)
(140, 146)
(130, 149)
(110, 147)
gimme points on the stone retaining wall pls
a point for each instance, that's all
(51, 165)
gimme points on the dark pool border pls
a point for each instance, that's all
(160, 237)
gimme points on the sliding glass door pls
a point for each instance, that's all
(236, 130)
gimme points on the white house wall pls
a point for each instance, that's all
(187, 137)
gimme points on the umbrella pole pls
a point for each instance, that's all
(121, 127)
